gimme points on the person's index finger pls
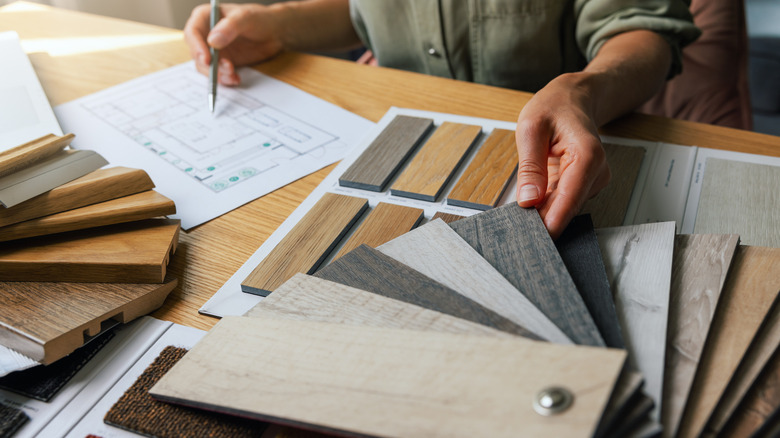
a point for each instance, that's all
(195, 32)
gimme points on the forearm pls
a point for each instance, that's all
(315, 25)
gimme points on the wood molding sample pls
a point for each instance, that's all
(25, 155)
(446, 217)
(608, 208)
(383, 223)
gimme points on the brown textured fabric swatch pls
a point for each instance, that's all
(11, 419)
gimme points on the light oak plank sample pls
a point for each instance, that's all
(436, 162)
(307, 245)
(144, 205)
(384, 222)
(515, 241)
(761, 401)
(136, 252)
(364, 380)
(608, 208)
(98, 186)
(47, 321)
(446, 217)
(368, 269)
(579, 250)
(699, 268)
(386, 154)
(25, 155)
(487, 176)
(436, 251)
(638, 260)
(739, 198)
(751, 287)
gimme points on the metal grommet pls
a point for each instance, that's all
(553, 400)
(433, 52)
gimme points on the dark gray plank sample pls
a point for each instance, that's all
(11, 419)
(368, 269)
(386, 154)
(579, 249)
(514, 240)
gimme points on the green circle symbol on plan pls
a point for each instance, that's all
(233, 178)
(210, 168)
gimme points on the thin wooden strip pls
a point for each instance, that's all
(29, 153)
(761, 401)
(436, 162)
(515, 241)
(446, 217)
(635, 416)
(390, 382)
(627, 392)
(386, 154)
(385, 222)
(307, 245)
(486, 178)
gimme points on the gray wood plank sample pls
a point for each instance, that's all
(515, 241)
(386, 154)
(609, 207)
(368, 269)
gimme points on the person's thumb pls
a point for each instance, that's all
(532, 165)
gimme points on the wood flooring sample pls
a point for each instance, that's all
(371, 381)
(740, 198)
(377, 165)
(307, 245)
(137, 252)
(446, 217)
(486, 178)
(384, 222)
(436, 162)
(19, 157)
(515, 241)
(759, 404)
(608, 208)
(625, 395)
(638, 260)
(436, 251)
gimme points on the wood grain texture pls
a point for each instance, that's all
(515, 241)
(385, 222)
(487, 176)
(144, 205)
(382, 159)
(307, 245)
(608, 208)
(446, 217)
(98, 186)
(638, 260)
(758, 405)
(579, 250)
(371, 377)
(436, 251)
(26, 154)
(436, 162)
(751, 287)
(699, 268)
(737, 198)
(368, 269)
(136, 252)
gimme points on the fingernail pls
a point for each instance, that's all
(216, 39)
(528, 192)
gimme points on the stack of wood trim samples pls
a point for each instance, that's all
(84, 247)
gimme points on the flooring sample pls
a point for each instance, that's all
(66, 314)
(98, 186)
(131, 208)
(771, 428)
(486, 178)
(633, 417)
(138, 412)
(515, 241)
(11, 419)
(608, 208)
(436, 251)
(446, 217)
(386, 154)
(627, 392)
(436, 162)
(759, 404)
(579, 250)
(19, 157)
(638, 260)
(368, 269)
(699, 268)
(136, 252)
(361, 380)
(750, 290)
(384, 222)
(307, 245)
(738, 198)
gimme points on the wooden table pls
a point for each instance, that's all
(75, 54)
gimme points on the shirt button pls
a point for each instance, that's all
(433, 52)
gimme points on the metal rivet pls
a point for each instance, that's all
(551, 401)
(433, 52)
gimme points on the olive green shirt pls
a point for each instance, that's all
(520, 44)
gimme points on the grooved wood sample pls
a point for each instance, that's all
(384, 222)
(25, 155)
(436, 162)
(761, 401)
(699, 268)
(738, 198)
(485, 179)
(579, 250)
(515, 241)
(446, 217)
(307, 245)
(98, 186)
(368, 269)
(751, 287)
(386, 154)
(136, 252)
(638, 260)
(364, 380)
(436, 251)
(131, 208)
